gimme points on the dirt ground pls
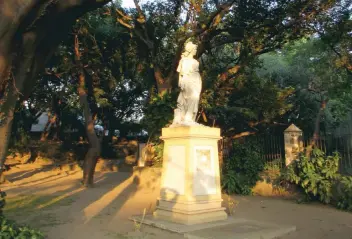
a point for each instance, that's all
(54, 202)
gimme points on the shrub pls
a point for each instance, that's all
(272, 171)
(10, 230)
(315, 175)
(240, 173)
(275, 165)
(157, 160)
(2, 201)
(318, 177)
(344, 194)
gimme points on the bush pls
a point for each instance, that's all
(344, 194)
(241, 172)
(318, 177)
(158, 149)
(272, 171)
(2, 201)
(10, 230)
(315, 175)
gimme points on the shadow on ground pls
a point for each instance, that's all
(56, 203)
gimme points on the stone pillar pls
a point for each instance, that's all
(190, 186)
(141, 154)
(293, 143)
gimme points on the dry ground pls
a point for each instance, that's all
(54, 202)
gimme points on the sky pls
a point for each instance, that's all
(128, 3)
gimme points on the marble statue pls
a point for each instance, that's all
(190, 83)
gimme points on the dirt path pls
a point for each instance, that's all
(54, 202)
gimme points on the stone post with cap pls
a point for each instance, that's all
(293, 143)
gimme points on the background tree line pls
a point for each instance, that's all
(263, 63)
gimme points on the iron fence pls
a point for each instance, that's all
(341, 144)
(273, 148)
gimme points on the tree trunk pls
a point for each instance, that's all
(5, 133)
(316, 128)
(94, 151)
(28, 36)
(163, 84)
(48, 127)
(26, 68)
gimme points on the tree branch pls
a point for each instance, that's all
(215, 18)
(141, 16)
(243, 134)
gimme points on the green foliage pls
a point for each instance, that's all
(233, 182)
(319, 178)
(10, 230)
(20, 143)
(254, 104)
(308, 65)
(275, 165)
(272, 171)
(344, 194)
(158, 113)
(2, 201)
(158, 149)
(241, 172)
(315, 175)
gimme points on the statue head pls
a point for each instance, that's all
(190, 49)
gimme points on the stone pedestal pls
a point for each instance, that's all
(190, 191)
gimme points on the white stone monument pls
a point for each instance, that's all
(293, 143)
(190, 191)
(190, 196)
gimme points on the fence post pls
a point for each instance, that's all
(293, 143)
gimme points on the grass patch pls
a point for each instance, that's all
(24, 204)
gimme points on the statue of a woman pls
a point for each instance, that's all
(190, 83)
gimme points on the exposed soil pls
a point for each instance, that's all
(53, 201)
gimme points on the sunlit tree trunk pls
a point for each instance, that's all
(94, 150)
(24, 70)
(48, 127)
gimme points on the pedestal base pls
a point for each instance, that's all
(190, 191)
(232, 228)
(190, 217)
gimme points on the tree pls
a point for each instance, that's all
(88, 74)
(159, 29)
(231, 35)
(30, 31)
(334, 29)
(248, 106)
(250, 28)
(322, 96)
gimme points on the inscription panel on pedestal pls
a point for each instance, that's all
(204, 182)
(174, 178)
